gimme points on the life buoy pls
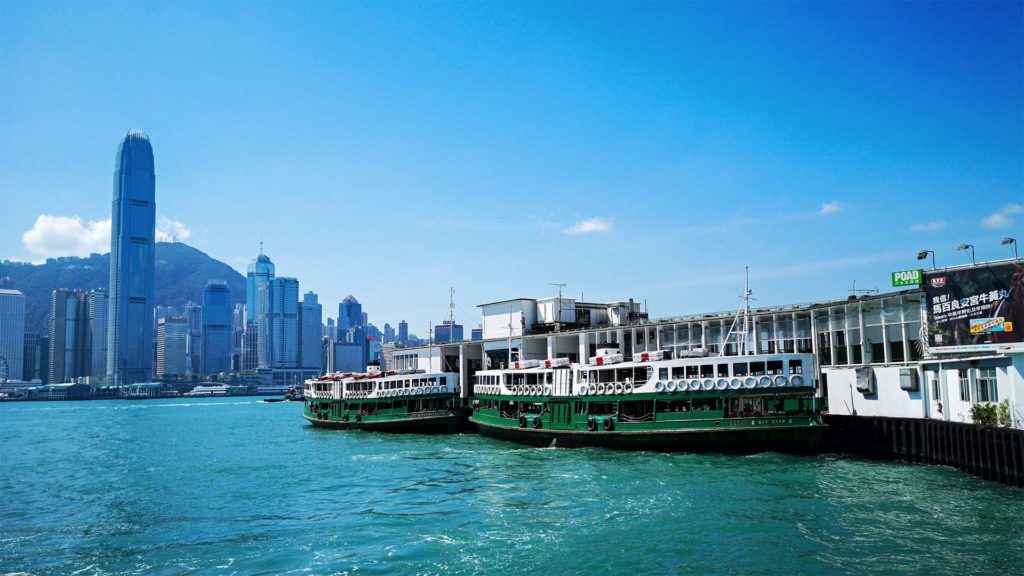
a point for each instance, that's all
(591, 424)
(522, 421)
(670, 386)
(628, 388)
(608, 424)
(619, 388)
(536, 422)
(659, 387)
(547, 390)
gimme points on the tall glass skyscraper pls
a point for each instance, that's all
(261, 272)
(310, 331)
(278, 319)
(216, 340)
(132, 236)
(350, 313)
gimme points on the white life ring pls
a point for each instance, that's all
(764, 382)
(736, 384)
(797, 381)
(708, 384)
(628, 388)
(547, 390)
(694, 385)
(780, 381)
(659, 387)
(722, 384)
(750, 383)
(670, 386)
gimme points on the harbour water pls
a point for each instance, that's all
(236, 485)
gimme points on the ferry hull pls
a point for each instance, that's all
(790, 440)
(446, 424)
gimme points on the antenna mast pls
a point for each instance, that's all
(451, 314)
(560, 286)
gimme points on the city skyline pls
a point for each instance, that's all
(813, 126)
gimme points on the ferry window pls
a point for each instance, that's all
(637, 411)
(678, 372)
(673, 406)
(707, 370)
(693, 371)
(601, 408)
(706, 404)
(965, 386)
(642, 373)
(662, 373)
(531, 379)
(757, 368)
(796, 367)
(986, 385)
(775, 367)
(934, 381)
(722, 370)
(739, 369)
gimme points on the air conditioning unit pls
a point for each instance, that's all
(908, 379)
(866, 381)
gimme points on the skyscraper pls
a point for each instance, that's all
(98, 306)
(389, 333)
(132, 236)
(261, 272)
(403, 332)
(12, 334)
(194, 342)
(171, 341)
(278, 317)
(350, 314)
(70, 351)
(216, 338)
(310, 331)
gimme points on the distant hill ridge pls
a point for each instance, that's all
(181, 275)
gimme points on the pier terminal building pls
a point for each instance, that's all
(932, 350)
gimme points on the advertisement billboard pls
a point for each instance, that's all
(976, 308)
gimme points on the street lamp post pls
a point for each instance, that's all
(924, 254)
(965, 247)
(1011, 241)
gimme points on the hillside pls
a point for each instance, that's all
(181, 275)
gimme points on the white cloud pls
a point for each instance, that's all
(829, 208)
(167, 230)
(929, 227)
(52, 236)
(595, 224)
(1002, 218)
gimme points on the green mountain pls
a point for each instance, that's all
(181, 275)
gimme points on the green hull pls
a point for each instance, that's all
(788, 439)
(444, 424)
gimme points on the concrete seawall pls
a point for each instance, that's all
(995, 454)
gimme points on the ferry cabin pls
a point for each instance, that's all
(697, 393)
(380, 398)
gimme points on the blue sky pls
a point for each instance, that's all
(391, 150)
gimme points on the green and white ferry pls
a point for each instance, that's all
(410, 401)
(746, 403)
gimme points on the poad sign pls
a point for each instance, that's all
(907, 278)
(981, 307)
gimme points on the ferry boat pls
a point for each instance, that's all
(410, 401)
(746, 403)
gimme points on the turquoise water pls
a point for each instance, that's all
(241, 486)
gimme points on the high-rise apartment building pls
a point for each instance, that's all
(12, 334)
(250, 347)
(310, 331)
(216, 335)
(171, 344)
(132, 240)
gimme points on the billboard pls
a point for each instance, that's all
(907, 278)
(976, 308)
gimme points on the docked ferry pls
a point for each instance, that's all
(747, 403)
(385, 401)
